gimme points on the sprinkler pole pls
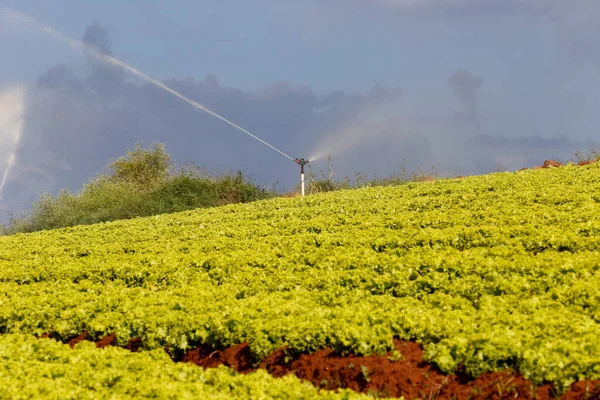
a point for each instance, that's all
(302, 162)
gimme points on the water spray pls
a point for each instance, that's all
(11, 125)
(302, 162)
(14, 16)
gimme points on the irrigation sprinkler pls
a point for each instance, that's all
(110, 60)
(302, 162)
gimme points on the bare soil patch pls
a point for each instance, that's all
(401, 372)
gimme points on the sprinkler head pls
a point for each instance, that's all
(302, 162)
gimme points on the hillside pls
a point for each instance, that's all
(487, 273)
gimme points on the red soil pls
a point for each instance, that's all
(78, 339)
(556, 164)
(236, 357)
(133, 344)
(395, 374)
(109, 340)
(551, 163)
(386, 376)
(586, 162)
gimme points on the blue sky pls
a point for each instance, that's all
(462, 85)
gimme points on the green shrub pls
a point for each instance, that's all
(142, 167)
(237, 189)
(140, 184)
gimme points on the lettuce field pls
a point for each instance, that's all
(485, 274)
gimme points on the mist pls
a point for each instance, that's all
(12, 103)
(464, 104)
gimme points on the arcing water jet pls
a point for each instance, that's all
(15, 18)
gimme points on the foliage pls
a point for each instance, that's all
(142, 167)
(43, 368)
(486, 272)
(142, 183)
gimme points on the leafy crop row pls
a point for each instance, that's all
(33, 368)
(486, 272)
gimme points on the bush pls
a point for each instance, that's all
(140, 184)
(142, 167)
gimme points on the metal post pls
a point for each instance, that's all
(302, 162)
(302, 178)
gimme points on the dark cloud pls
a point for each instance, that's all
(97, 36)
(560, 143)
(464, 84)
(105, 78)
(570, 27)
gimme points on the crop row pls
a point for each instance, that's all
(486, 272)
(34, 368)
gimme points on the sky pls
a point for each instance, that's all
(460, 86)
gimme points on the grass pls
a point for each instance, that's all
(592, 155)
(329, 181)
